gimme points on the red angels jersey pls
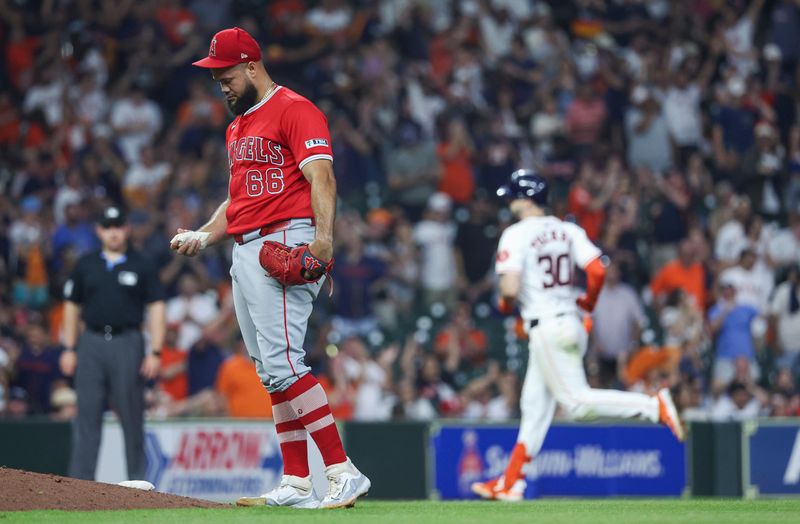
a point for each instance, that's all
(268, 146)
(545, 251)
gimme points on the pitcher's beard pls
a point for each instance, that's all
(244, 102)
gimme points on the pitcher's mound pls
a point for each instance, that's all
(24, 490)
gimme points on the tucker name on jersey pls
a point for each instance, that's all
(544, 250)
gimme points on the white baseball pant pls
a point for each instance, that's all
(555, 374)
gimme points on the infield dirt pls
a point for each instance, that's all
(24, 490)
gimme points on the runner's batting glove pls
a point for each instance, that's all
(585, 303)
(292, 266)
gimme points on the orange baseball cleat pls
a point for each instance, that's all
(668, 414)
(496, 489)
(487, 490)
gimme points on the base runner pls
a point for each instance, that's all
(280, 211)
(535, 262)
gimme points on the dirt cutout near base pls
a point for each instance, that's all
(24, 490)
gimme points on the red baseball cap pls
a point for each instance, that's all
(230, 47)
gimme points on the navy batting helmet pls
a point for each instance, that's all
(525, 183)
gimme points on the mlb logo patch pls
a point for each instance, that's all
(316, 142)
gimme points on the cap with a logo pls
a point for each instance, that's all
(230, 47)
(112, 216)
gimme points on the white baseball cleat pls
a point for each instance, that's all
(292, 492)
(513, 494)
(668, 414)
(346, 484)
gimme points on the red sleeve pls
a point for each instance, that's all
(306, 133)
(228, 145)
(595, 276)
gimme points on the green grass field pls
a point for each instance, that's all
(694, 511)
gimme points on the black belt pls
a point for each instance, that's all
(535, 322)
(110, 330)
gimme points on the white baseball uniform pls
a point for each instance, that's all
(544, 251)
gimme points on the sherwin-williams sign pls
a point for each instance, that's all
(576, 460)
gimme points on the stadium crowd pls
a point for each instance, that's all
(668, 130)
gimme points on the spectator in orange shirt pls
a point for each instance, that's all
(172, 376)
(341, 394)
(239, 384)
(177, 22)
(20, 56)
(200, 117)
(201, 110)
(651, 368)
(460, 340)
(685, 272)
(455, 154)
(589, 196)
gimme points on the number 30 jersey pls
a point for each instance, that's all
(267, 147)
(545, 251)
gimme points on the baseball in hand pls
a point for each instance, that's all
(186, 236)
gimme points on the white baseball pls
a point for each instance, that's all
(186, 236)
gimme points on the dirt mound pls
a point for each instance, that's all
(23, 490)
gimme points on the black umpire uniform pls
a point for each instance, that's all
(110, 290)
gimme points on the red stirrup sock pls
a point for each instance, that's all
(292, 436)
(310, 404)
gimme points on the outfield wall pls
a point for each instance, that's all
(219, 459)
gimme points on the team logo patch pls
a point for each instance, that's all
(311, 263)
(212, 51)
(128, 278)
(316, 142)
(502, 256)
(69, 285)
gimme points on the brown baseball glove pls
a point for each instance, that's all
(292, 266)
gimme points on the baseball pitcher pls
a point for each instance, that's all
(536, 258)
(280, 211)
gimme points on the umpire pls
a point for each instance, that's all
(109, 290)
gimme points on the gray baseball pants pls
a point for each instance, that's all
(272, 317)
